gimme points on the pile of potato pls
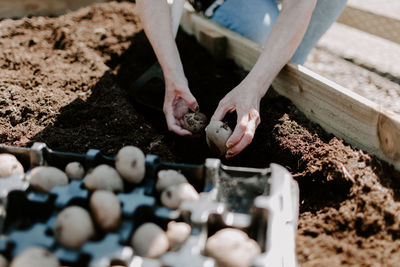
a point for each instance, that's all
(35, 257)
(129, 166)
(217, 132)
(229, 247)
(151, 241)
(232, 248)
(74, 225)
(174, 188)
(9, 165)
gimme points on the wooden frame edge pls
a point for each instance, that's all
(359, 121)
(375, 24)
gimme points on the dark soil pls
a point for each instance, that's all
(64, 80)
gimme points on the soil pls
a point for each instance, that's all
(64, 81)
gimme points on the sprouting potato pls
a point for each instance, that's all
(232, 248)
(167, 178)
(106, 210)
(177, 233)
(131, 164)
(103, 177)
(73, 227)
(35, 257)
(9, 165)
(149, 240)
(217, 134)
(74, 170)
(173, 195)
(194, 122)
(44, 178)
(3, 261)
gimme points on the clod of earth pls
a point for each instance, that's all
(194, 122)
(173, 195)
(131, 164)
(106, 210)
(9, 165)
(149, 240)
(75, 170)
(177, 233)
(166, 178)
(44, 178)
(103, 177)
(217, 133)
(35, 257)
(232, 248)
(73, 227)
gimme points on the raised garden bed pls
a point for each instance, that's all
(63, 82)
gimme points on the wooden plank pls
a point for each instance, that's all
(22, 8)
(380, 25)
(359, 121)
(214, 42)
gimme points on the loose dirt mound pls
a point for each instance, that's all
(63, 81)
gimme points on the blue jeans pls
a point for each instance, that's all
(254, 19)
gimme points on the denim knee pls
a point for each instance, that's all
(252, 19)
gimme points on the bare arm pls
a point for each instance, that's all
(156, 20)
(285, 37)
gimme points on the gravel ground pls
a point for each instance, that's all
(360, 80)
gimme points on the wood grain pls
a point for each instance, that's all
(379, 25)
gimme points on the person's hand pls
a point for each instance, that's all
(247, 106)
(177, 102)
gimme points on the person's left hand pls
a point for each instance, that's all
(247, 106)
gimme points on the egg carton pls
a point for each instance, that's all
(261, 202)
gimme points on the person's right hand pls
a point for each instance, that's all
(177, 102)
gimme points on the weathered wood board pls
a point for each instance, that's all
(22, 8)
(379, 25)
(360, 122)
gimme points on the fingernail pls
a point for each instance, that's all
(197, 108)
(229, 145)
(229, 155)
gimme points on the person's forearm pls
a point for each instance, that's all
(156, 21)
(281, 44)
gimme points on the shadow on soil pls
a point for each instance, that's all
(108, 120)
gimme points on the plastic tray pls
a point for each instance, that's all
(267, 210)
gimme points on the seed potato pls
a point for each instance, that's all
(167, 178)
(232, 248)
(194, 122)
(217, 134)
(9, 165)
(106, 210)
(149, 240)
(44, 178)
(177, 233)
(3, 261)
(74, 170)
(73, 227)
(173, 195)
(103, 177)
(130, 163)
(35, 257)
